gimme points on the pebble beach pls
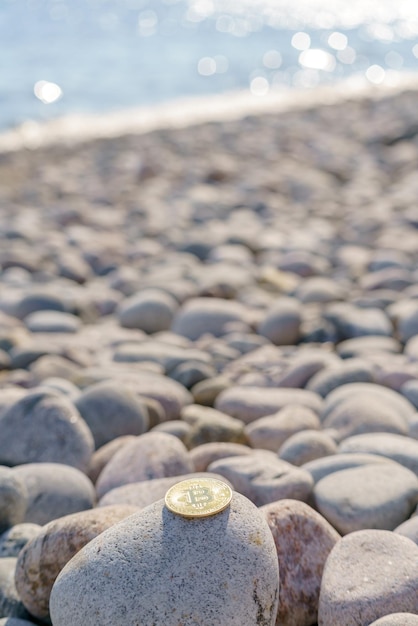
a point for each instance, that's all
(235, 298)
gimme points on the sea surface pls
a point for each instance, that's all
(66, 57)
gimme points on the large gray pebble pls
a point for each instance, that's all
(207, 315)
(305, 446)
(52, 322)
(263, 478)
(14, 539)
(111, 410)
(13, 499)
(373, 496)
(362, 346)
(209, 425)
(282, 322)
(150, 310)
(54, 490)
(319, 468)
(153, 455)
(396, 447)
(368, 574)
(270, 432)
(49, 429)
(353, 370)
(103, 455)
(409, 529)
(351, 321)
(10, 603)
(202, 456)
(160, 568)
(251, 403)
(303, 541)
(38, 301)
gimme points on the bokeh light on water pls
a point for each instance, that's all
(86, 56)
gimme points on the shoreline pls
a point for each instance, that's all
(191, 111)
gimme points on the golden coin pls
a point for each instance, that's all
(198, 497)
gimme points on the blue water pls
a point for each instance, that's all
(107, 55)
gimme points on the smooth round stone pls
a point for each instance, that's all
(53, 365)
(206, 392)
(353, 370)
(148, 491)
(49, 429)
(305, 446)
(409, 529)
(282, 322)
(8, 396)
(209, 425)
(54, 490)
(202, 456)
(42, 559)
(264, 478)
(319, 289)
(38, 302)
(152, 569)
(303, 541)
(366, 391)
(153, 455)
(52, 322)
(397, 619)
(319, 468)
(270, 432)
(405, 316)
(63, 386)
(111, 410)
(373, 496)
(103, 455)
(150, 310)
(251, 403)
(177, 428)
(362, 346)
(411, 348)
(358, 415)
(368, 574)
(192, 372)
(14, 539)
(199, 316)
(159, 350)
(13, 499)
(396, 447)
(351, 321)
(10, 603)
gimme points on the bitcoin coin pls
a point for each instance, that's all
(199, 497)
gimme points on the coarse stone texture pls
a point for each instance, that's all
(282, 322)
(14, 539)
(202, 456)
(209, 425)
(150, 310)
(50, 430)
(54, 490)
(151, 569)
(42, 559)
(319, 468)
(112, 410)
(251, 403)
(372, 496)
(409, 529)
(153, 455)
(10, 603)
(368, 574)
(103, 455)
(199, 316)
(397, 619)
(264, 478)
(148, 491)
(270, 432)
(401, 449)
(303, 541)
(305, 446)
(13, 499)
